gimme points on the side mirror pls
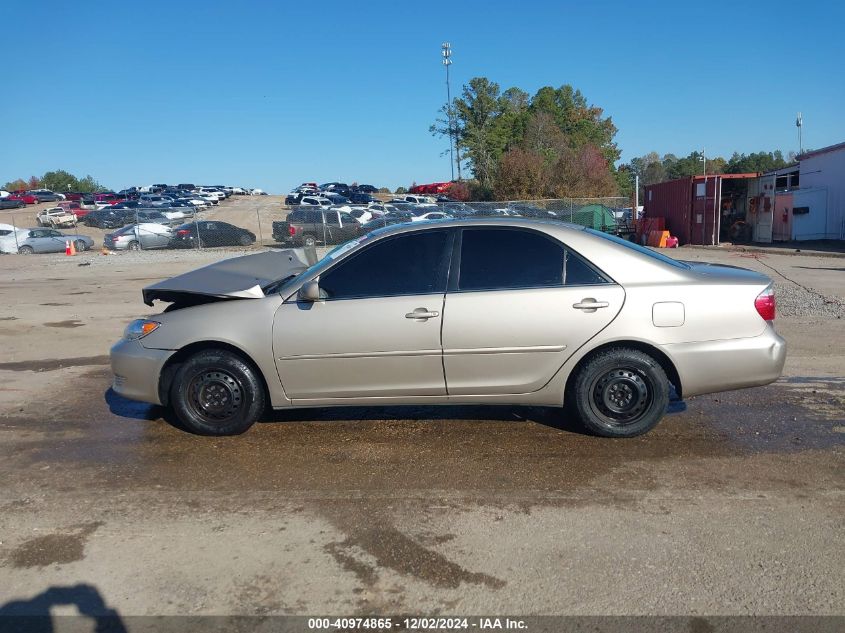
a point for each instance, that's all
(310, 291)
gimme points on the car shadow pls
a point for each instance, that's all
(557, 418)
(552, 417)
(125, 408)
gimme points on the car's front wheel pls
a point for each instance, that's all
(620, 392)
(216, 392)
(80, 246)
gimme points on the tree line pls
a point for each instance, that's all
(555, 144)
(59, 181)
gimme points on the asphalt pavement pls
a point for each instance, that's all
(733, 505)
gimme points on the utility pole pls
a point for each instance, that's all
(704, 201)
(799, 123)
(634, 211)
(454, 151)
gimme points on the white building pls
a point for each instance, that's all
(818, 205)
(805, 201)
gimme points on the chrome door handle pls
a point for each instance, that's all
(590, 305)
(422, 314)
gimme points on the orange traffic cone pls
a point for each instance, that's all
(72, 248)
(67, 247)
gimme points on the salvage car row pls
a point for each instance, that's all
(146, 235)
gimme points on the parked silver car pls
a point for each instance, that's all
(134, 237)
(493, 311)
(31, 241)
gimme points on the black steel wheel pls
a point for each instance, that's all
(620, 392)
(216, 392)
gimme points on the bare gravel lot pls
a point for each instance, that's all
(733, 505)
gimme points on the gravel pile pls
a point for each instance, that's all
(796, 301)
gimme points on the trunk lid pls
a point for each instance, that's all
(724, 273)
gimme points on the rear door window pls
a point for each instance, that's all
(501, 259)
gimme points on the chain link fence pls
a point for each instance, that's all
(309, 225)
(245, 223)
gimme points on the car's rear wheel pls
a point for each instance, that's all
(309, 241)
(134, 245)
(620, 392)
(26, 250)
(215, 392)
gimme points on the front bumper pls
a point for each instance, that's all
(137, 370)
(713, 366)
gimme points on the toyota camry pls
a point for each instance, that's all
(486, 311)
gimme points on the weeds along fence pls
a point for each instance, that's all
(264, 221)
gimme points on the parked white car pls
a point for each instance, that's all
(174, 213)
(56, 217)
(431, 215)
(211, 192)
(315, 201)
(421, 200)
(11, 237)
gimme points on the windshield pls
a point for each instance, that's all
(640, 249)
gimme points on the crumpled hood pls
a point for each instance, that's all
(235, 278)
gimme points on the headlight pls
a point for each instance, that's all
(139, 328)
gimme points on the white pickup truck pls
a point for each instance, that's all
(56, 217)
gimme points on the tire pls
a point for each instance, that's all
(215, 392)
(620, 392)
(134, 245)
(26, 250)
(244, 240)
(309, 241)
(80, 246)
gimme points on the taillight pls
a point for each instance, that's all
(291, 230)
(765, 304)
(183, 232)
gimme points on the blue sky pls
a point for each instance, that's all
(271, 94)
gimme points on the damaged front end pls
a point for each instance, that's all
(244, 277)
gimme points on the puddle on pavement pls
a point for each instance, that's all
(70, 323)
(52, 364)
(101, 439)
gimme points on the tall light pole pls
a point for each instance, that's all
(446, 50)
(799, 123)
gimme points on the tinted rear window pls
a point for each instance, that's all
(494, 259)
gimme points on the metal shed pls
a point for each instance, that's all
(694, 207)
